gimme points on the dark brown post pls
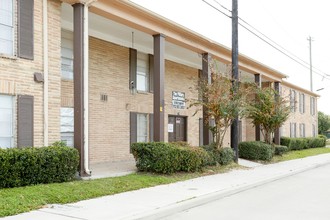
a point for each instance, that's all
(277, 138)
(257, 80)
(159, 79)
(78, 82)
(206, 75)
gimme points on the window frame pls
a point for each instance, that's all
(13, 37)
(302, 103)
(143, 57)
(12, 121)
(293, 130)
(138, 127)
(312, 105)
(70, 132)
(293, 100)
(67, 35)
(302, 130)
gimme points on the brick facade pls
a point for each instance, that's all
(17, 75)
(109, 121)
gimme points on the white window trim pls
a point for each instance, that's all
(146, 126)
(146, 74)
(13, 124)
(13, 31)
(68, 35)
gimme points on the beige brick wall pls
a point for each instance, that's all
(109, 121)
(297, 117)
(16, 75)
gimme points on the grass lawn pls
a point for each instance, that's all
(23, 199)
(291, 155)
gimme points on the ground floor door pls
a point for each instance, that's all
(177, 128)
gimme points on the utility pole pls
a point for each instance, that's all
(234, 56)
(310, 61)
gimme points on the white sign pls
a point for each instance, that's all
(170, 128)
(178, 100)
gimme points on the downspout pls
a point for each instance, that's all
(86, 91)
(45, 67)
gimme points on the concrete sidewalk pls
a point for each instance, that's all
(160, 201)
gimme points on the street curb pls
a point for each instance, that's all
(181, 206)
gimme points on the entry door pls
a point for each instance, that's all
(177, 128)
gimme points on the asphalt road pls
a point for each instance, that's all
(305, 196)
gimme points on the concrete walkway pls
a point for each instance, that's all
(160, 201)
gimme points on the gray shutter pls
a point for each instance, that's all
(24, 121)
(25, 29)
(133, 127)
(201, 127)
(132, 68)
(151, 127)
(200, 75)
(151, 73)
(212, 123)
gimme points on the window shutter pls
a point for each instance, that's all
(132, 68)
(25, 29)
(25, 121)
(151, 73)
(133, 127)
(201, 127)
(151, 127)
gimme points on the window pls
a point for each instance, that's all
(302, 130)
(6, 121)
(67, 55)
(293, 130)
(312, 106)
(142, 72)
(67, 126)
(6, 27)
(142, 127)
(292, 100)
(313, 131)
(302, 103)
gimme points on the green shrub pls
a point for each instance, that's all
(280, 150)
(162, 157)
(192, 158)
(255, 150)
(29, 166)
(315, 142)
(224, 156)
(302, 143)
(324, 139)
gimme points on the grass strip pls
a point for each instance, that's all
(23, 199)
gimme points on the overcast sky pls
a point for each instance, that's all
(287, 22)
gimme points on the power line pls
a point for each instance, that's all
(278, 47)
(216, 8)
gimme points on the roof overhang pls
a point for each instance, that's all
(139, 18)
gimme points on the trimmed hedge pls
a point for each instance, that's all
(255, 150)
(29, 166)
(280, 150)
(222, 156)
(303, 143)
(162, 157)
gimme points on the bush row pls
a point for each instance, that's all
(167, 158)
(303, 143)
(29, 166)
(255, 150)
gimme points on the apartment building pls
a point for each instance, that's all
(100, 75)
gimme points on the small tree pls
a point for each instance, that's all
(269, 110)
(323, 122)
(221, 103)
